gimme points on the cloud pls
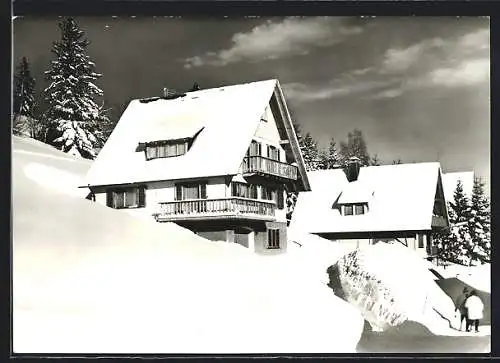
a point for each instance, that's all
(306, 93)
(467, 73)
(387, 94)
(460, 62)
(273, 40)
(401, 59)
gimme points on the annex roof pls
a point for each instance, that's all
(400, 198)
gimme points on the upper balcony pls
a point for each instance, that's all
(219, 208)
(260, 165)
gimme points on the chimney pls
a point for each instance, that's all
(352, 168)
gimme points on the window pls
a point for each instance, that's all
(353, 209)
(134, 197)
(359, 209)
(190, 191)
(420, 238)
(273, 239)
(273, 152)
(166, 149)
(348, 210)
(268, 193)
(255, 149)
(243, 190)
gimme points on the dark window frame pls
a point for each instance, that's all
(273, 239)
(354, 209)
(180, 190)
(420, 240)
(255, 146)
(139, 192)
(243, 190)
(160, 149)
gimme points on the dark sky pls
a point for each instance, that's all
(418, 88)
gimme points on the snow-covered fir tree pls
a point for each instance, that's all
(456, 245)
(24, 101)
(479, 224)
(310, 152)
(73, 115)
(330, 158)
(460, 205)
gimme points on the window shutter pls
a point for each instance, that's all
(269, 155)
(259, 149)
(109, 198)
(278, 154)
(263, 193)
(281, 201)
(178, 192)
(142, 196)
(203, 191)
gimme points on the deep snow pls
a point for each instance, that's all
(89, 279)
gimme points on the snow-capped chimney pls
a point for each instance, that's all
(352, 168)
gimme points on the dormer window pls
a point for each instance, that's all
(353, 209)
(166, 148)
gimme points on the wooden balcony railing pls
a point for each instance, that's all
(260, 164)
(233, 207)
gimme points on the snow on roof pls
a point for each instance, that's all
(228, 115)
(356, 192)
(450, 181)
(402, 199)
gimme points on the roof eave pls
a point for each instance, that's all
(285, 116)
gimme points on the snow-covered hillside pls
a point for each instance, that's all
(90, 279)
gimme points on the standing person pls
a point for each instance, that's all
(475, 308)
(460, 306)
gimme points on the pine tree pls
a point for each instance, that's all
(329, 159)
(310, 153)
(355, 146)
(24, 101)
(455, 245)
(73, 116)
(460, 206)
(479, 224)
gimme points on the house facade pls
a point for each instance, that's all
(218, 162)
(359, 206)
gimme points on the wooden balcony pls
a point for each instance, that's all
(221, 208)
(265, 166)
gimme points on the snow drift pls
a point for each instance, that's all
(89, 279)
(390, 284)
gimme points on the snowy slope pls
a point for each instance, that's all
(90, 279)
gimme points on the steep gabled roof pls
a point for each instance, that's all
(400, 198)
(450, 181)
(224, 120)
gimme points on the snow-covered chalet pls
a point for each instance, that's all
(216, 161)
(359, 206)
